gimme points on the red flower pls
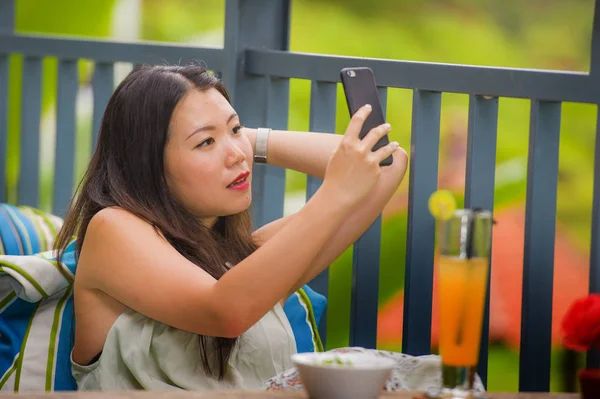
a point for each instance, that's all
(581, 324)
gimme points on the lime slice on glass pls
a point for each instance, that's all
(442, 204)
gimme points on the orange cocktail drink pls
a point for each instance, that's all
(462, 289)
(464, 241)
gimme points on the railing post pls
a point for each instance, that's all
(7, 27)
(261, 24)
(479, 186)
(593, 356)
(420, 240)
(364, 302)
(595, 56)
(7, 17)
(251, 24)
(538, 252)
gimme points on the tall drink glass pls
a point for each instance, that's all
(464, 250)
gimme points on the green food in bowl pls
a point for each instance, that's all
(336, 361)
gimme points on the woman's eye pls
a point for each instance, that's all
(237, 129)
(206, 142)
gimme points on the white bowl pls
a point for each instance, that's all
(334, 375)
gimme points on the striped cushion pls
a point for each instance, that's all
(304, 310)
(36, 317)
(35, 303)
(26, 231)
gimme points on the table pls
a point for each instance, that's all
(248, 395)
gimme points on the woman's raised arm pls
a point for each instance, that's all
(309, 153)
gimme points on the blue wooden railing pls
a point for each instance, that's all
(256, 66)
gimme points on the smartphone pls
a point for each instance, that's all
(360, 89)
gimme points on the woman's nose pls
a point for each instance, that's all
(235, 155)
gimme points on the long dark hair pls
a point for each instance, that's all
(127, 170)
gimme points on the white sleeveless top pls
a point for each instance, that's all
(141, 353)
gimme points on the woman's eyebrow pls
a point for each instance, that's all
(211, 127)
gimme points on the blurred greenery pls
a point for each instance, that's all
(547, 34)
(70, 17)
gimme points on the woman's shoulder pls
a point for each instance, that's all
(114, 233)
(115, 222)
(112, 217)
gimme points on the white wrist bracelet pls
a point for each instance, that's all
(260, 152)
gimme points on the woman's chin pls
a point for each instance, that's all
(238, 207)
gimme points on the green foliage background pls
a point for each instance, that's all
(547, 34)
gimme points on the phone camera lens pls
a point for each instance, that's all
(351, 74)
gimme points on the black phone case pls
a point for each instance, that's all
(360, 89)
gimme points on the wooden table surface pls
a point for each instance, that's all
(249, 395)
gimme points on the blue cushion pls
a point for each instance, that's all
(37, 312)
(304, 310)
(36, 332)
(25, 230)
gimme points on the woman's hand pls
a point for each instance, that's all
(353, 169)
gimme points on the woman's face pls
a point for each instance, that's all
(208, 159)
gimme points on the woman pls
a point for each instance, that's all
(173, 289)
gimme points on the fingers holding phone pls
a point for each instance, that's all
(360, 89)
(354, 169)
(374, 135)
(357, 122)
